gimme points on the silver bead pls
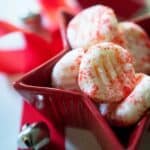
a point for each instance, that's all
(34, 136)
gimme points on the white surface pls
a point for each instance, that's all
(13, 10)
(10, 114)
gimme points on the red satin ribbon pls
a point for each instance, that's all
(36, 50)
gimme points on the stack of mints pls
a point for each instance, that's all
(109, 62)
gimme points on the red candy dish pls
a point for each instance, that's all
(66, 108)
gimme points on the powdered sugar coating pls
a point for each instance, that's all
(93, 25)
(133, 107)
(138, 43)
(65, 72)
(106, 73)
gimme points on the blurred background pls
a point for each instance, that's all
(30, 35)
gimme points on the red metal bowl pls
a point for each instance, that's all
(66, 108)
